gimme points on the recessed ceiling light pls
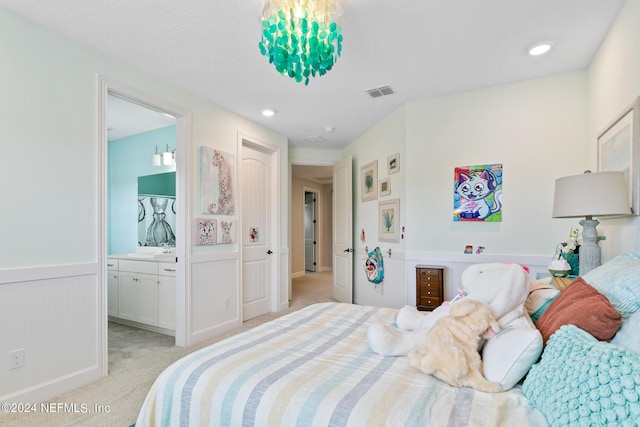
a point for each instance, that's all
(268, 112)
(540, 48)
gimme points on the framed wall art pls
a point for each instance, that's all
(393, 164)
(217, 173)
(477, 193)
(388, 221)
(369, 181)
(205, 231)
(618, 147)
(385, 187)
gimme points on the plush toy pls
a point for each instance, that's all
(503, 287)
(451, 353)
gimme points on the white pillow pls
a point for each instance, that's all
(508, 356)
(628, 336)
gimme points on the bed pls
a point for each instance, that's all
(313, 367)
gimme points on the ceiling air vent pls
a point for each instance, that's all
(315, 138)
(380, 91)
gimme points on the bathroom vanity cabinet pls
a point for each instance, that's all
(142, 293)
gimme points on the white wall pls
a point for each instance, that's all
(614, 83)
(385, 139)
(537, 129)
(51, 289)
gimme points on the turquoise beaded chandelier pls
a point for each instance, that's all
(301, 37)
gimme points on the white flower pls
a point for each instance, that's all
(571, 244)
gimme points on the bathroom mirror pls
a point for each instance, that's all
(157, 210)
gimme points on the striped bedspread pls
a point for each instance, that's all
(313, 367)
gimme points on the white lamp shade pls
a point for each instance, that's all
(591, 194)
(156, 159)
(167, 158)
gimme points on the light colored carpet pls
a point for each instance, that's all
(124, 389)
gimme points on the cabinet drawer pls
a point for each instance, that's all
(139, 266)
(430, 274)
(112, 264)
(426, 291)
(167, 269)
(429, 302)
(430, 281)
(429, 285)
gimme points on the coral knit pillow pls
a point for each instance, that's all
(583, 306)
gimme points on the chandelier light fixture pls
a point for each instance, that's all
(301, 38)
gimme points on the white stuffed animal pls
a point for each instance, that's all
(503, 287)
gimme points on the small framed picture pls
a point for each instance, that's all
(393, 164)
(385, 188)
(388, 219)
(369, 181)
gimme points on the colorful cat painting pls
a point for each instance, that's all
(478, 193)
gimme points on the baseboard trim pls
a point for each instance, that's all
(139, 325)
(49, 389)
(214, 332)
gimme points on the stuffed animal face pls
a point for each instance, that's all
(503, 287)
(475, 316)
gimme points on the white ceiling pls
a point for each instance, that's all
(421, 48)
(125, 118)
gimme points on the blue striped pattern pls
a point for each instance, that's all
(314, 368)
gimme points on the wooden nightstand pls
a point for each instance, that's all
(429, 286)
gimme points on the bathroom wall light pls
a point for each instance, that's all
(167, 158)
(156, 159)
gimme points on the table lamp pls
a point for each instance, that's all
(598, 194)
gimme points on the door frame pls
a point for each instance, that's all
(316, 225)
(303, 162)
(108, 86)
(279, 295)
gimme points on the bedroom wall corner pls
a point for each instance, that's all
(384, 140)
(613, 84)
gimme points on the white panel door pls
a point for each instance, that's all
(309, 232)
(256, 244)
(342, 232)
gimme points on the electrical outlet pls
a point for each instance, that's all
(16, 359)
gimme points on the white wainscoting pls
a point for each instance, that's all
(392, 291)
(399, 286)
(53, 314)
(215, 296)
(455, 264)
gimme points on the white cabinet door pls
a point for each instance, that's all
(112, 293)
(127, 296)
(167, 302)
(138, 297)
(147, 299)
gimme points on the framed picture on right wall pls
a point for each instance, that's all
(618, 147)
(393, 164)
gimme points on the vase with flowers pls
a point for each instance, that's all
(570, 251)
